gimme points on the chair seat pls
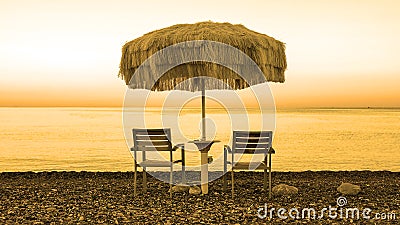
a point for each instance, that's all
(155, 163)
(251, 165)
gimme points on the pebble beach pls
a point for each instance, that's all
(107, 197)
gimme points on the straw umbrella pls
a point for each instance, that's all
(267, 53)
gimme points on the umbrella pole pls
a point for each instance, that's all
(204, 151)
(203, 111)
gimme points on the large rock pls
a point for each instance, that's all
(349, 189)
(194, 190)
(284, 190)
(180, 188)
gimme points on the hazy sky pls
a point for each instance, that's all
(66, 53)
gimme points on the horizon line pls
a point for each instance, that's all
(284, 107)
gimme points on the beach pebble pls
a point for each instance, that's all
(51, 209)
(349, 189)
(194, 190)
(180, 188)
(284, 190)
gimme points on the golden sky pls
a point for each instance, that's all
(341, 53)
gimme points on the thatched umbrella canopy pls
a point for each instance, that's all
(267, 55)
(267, 52)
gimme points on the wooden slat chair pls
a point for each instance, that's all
(155, 140)
(249, 142)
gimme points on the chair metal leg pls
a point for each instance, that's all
(270, 175)
(265, 180)
(270, 185)
(233, 184)
(134, 179)
(144, 180)
(224, 180)
(144, 172)
(225, 169)
(171, 180)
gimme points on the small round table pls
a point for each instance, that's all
(204, 146)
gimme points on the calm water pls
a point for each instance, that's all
(92, 139)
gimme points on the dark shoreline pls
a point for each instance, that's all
(107, 197)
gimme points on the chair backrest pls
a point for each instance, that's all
(251, 142)
(152, 139)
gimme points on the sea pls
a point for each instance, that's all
(99, 139)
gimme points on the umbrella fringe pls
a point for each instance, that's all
(265, 51)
